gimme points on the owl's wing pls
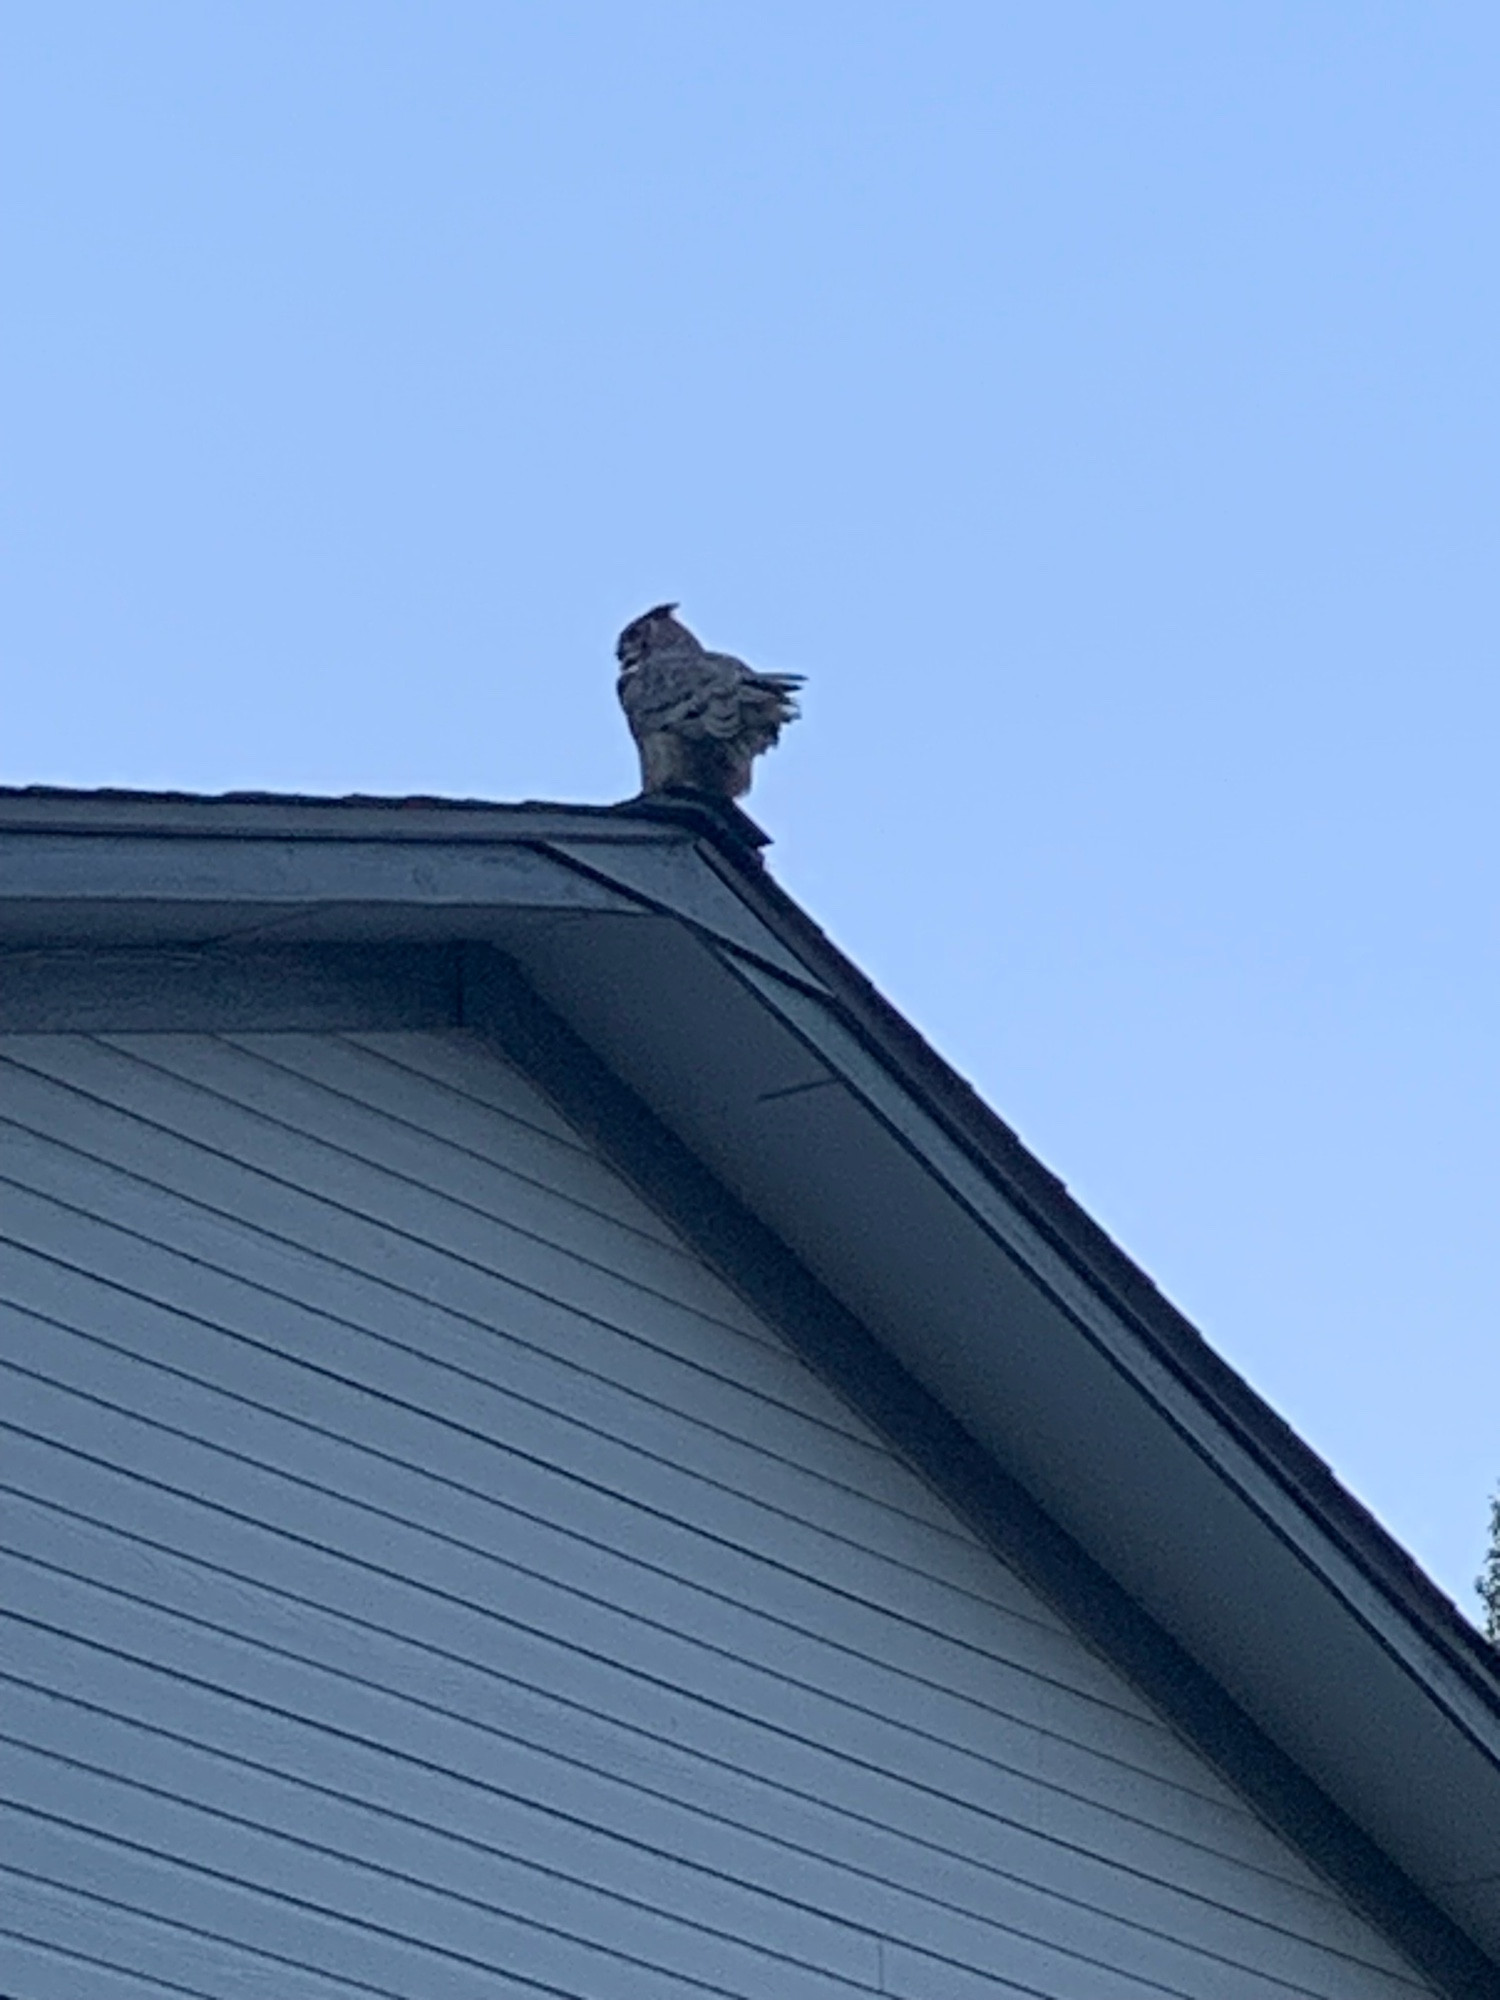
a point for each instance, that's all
(764, 704)
(695, 696)
(709, 696)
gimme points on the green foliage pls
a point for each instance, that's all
(1487, 1583)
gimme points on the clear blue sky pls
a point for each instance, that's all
(1097, 402)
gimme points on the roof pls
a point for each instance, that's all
(732, 1058)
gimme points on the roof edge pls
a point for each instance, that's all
(1100, 1261)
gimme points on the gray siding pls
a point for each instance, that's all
(421, 1577)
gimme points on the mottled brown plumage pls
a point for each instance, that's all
(699, 719)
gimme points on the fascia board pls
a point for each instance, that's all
(1007, 1166)
(68, 870)
(341, 870)
(253, 817)
(1367, 1625)
(675, 1088)
(674, 878)
(847, 1058)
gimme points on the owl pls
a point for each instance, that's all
(699, 719)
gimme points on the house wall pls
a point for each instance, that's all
(421, 1577)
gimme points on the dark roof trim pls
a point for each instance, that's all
(1168, 1334)
(497, 1001)
(276, 816)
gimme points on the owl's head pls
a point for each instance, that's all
(654, 631)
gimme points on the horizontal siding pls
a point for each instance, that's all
(552, 1522)
(71, 1944)
(422, 1575)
